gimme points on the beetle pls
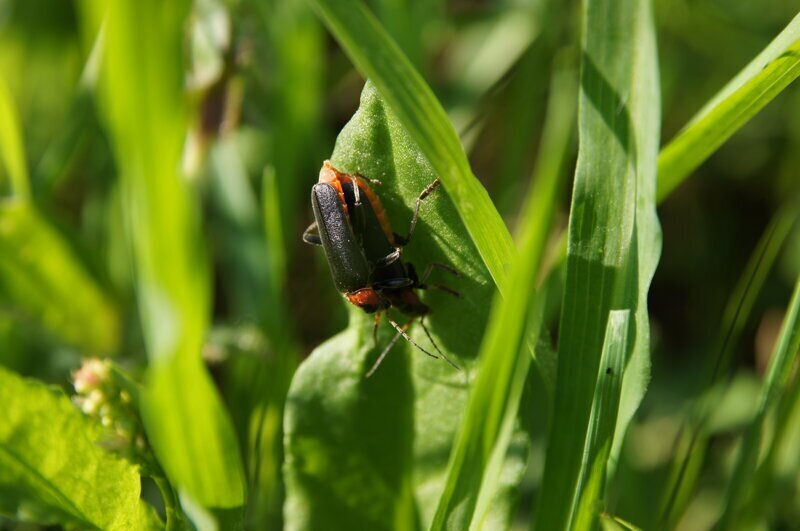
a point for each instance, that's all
(365, 255)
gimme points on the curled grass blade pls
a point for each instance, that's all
(741, 99)
(379, 58)
(489, 418)
(588, 497)
(614, 237)
(780, 369)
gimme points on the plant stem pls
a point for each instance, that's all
(175, 517)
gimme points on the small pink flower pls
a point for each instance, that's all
(90, 376)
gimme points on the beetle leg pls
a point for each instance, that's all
(438, 265)
(445, 358)
(446, 289)
(311, 235)
(390, 258)
(356, 192)
(393, 283)
(425, 193)
(444, 267)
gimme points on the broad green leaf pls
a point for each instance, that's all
(143, 77)
(742, 98)
(494, 399)
(588, 498)
(614, 237)
(780, 369)
(380, 59)
(52, 469)
(341, 427)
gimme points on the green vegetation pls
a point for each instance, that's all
(173, 356)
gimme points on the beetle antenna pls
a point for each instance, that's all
(383, 354)
(445, 358)
(425, 193)
(375, 329)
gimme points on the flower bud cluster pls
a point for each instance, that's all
(100, 394)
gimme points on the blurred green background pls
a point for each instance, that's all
(269, 90)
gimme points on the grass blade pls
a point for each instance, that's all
(494, 398)
(690, 450)
(183, 414)
(778, 373)
(614, 238)
(588, 498)
(40, 272)
(42, 275)
(11, 151)
(741, 99)
(379, 58)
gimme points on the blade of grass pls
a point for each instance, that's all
(780, 369)
(614, 523)
(693, 439)
(741, 99)
(145, 107)
(43, 279)
(747, 289)
(588, 498)
(11, 151)
(491, 411)
(379, 58)
(40, 272)
(614, 238)
(764, 487)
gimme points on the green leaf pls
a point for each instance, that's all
(614, 237)
(475, 463)
(53, 471)
(742, 98)
(780, 369)
(143, 76)
(588, 498)
(379, 58)
(341, 426)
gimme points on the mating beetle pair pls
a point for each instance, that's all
(364, 254)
